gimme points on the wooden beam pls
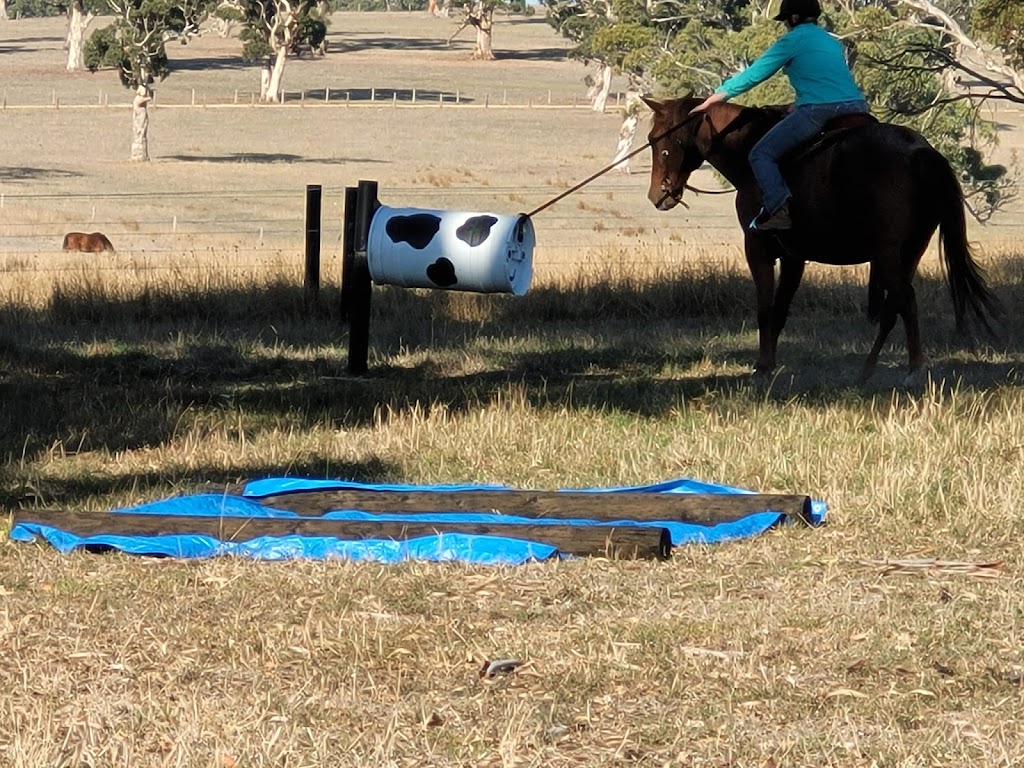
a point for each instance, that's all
(698, 508)
(624, 542)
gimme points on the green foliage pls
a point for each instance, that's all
(264, 33)
(1001, 22)
(105, 49)
(23, 9)
(135, 42)
(36, 8)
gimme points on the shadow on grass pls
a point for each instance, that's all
(208, 63)
(28, 173)
(177, 482)
(341, 44)
(93, 371)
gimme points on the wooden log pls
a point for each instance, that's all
(622, 542)
(697, 508)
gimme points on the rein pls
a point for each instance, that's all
(621, 160)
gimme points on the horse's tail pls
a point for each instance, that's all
(967, 284)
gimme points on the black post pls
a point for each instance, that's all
(360, 285)
(312, 281)
(348, 247)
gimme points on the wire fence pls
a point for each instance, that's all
(176, 96)
(610, 220)
(610, 215)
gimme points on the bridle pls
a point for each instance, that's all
(664, 134)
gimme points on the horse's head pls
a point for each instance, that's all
(674, 152)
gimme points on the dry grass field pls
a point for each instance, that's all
(891, 636)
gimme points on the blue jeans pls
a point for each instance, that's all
(795, 128)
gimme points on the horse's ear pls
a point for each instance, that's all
(688, 96)
(652, 103)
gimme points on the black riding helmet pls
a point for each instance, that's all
(807, 9)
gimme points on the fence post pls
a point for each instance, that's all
(356, 284)
(314, 195)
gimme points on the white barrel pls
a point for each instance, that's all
(451, 250)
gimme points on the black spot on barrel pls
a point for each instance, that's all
(416, 230)
(476, 229)
(442, 273)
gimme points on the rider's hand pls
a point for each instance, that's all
(714, 98)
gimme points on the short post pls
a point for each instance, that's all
(314, 195)
(348, 245)
(357, 285)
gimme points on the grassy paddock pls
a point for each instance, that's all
(800, 648)
(892, 636)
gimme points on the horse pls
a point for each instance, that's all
(93, 242)
(873, 193)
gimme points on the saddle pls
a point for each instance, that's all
(833, 130)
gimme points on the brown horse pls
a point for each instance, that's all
(869, 194)
(92, 242)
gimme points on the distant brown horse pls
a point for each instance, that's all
(91, 242)
(874, 194)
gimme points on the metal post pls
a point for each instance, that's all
(357, 284)
(314, 195)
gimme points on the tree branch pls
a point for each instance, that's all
(996, 90)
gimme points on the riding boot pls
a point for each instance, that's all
(772, 221)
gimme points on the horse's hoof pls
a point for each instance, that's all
(915, 379)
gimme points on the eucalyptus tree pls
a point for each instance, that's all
(135, 44)
(80, 14)
(479, 14)
(272, 30)
(1001, 23)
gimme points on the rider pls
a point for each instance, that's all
(814, 62)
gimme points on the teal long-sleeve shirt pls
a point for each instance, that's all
(812, 59)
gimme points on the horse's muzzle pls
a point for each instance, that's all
(664, 201)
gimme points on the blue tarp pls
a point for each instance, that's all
(492, 550)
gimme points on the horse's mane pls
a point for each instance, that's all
(768, 114)
(761, 119)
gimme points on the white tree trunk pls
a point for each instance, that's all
(627, 131)
(265, 72)
(598, 92)
(78, 23)
(3, 9)
(140, 124)
(484, 23)
(274, 92)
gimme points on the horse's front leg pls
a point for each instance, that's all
(762, 268)
(791, 272)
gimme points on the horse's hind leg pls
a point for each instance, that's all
(886, 321)
(899, 302)
(876, 295)
(913, 331)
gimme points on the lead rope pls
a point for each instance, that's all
(634, 153)
(589, 179)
